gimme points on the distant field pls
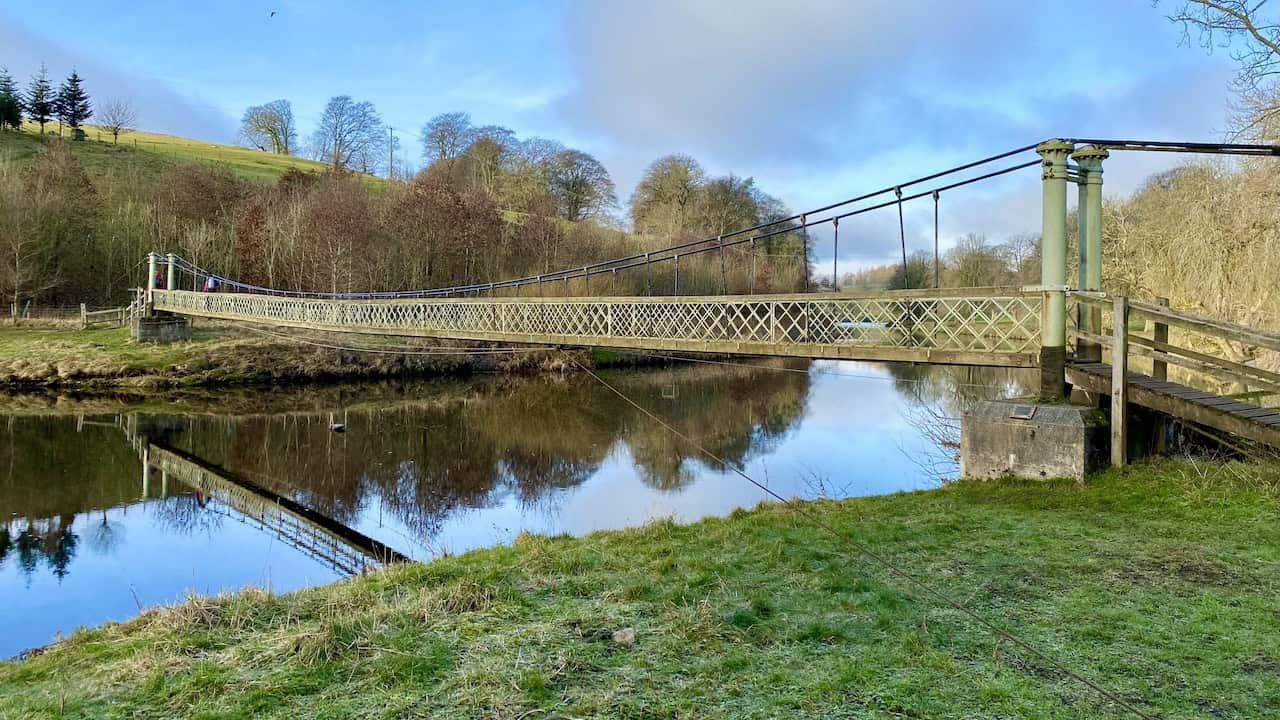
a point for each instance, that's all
(159, 151)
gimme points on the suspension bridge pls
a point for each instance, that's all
(1057, 326)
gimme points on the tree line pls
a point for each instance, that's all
(490, 211)
(70, 105)
(41, 104)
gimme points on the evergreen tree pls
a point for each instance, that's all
(40, 100)
(10, 102)
(72, 104)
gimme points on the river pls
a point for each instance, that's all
(420, 468)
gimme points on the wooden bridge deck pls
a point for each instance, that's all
(1186, 403)
(970, 326)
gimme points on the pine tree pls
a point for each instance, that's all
(10, 102)
(72, 104)
(40, 100)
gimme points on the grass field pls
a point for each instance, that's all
(1162, 583)
(98, 153)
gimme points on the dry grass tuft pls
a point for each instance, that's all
(454, 598)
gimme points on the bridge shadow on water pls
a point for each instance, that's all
(270, 494)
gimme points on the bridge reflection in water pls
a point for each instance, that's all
(339, 547)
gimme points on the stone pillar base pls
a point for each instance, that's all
(161, 329)
(1026, 439)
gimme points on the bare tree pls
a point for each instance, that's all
(270, 127)
(581, 185)
(117, 116)
(1254, 39)
(446, 136)
(348, 131)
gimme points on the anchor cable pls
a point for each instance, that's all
(865, 550)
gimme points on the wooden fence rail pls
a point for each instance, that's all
(1193, 352)
(1164, 353)
(112, 317)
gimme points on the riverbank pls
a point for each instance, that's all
(34, 358)
(1162, 583)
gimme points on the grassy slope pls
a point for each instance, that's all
(1162, 583)
(158, 151)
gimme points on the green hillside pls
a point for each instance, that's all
(154, 150)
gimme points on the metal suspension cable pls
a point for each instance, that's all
(833, 218)
(641, 260)
(1183, 147)
(666, 253)
(884, 562)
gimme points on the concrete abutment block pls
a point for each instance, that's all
(161, 329)
(1026, 439)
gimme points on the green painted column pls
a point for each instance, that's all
(1053, 270)
(172, 276)
(1089, 159)
(151, 272)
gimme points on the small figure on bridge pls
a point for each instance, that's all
(211, 284)
(159, 281)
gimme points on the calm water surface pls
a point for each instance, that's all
(258, 489)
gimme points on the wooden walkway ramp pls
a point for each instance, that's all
(1197, 406)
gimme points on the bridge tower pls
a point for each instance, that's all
(1087, 174)
(1053, 269)
(1088, 161)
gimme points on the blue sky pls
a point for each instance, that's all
(816, 100)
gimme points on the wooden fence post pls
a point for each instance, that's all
(1119, 384)
(1160, 368)
(84, 317)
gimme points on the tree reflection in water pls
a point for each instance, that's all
(525, 438)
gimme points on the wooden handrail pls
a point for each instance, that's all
(1186, 320)
(1192, 360)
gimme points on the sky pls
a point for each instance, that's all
(817, 100)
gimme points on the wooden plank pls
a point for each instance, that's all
(1266, 430)
(1159, 368)
(1217, 401)
(1119, 384)
(1258, 413)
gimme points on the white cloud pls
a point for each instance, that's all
(160, 108)
(823, 100)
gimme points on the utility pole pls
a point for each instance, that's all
(391, 153)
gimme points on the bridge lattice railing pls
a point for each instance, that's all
(986, 326)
